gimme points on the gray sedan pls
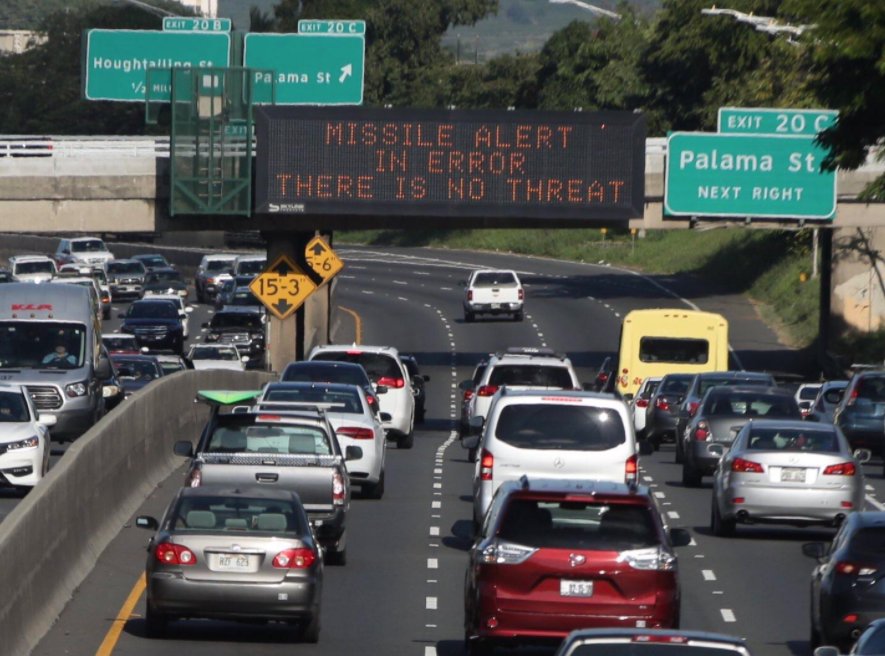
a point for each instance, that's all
(224, 553)
(786, 472)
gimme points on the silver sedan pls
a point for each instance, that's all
(786, 472)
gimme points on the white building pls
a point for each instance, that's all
(17, 41)
(208, 8)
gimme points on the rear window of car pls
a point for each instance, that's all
(792, 439)
(578, 525)
(674, 385)
(671, 349)
(871, 388)
(869, 541)
(808, 393)
(555, 426)
(280, 439)
(236, 320)
(706, 383)
(338, 400)
(528, 375)
(752, 405)
(237, 514)
(493, 279)
(304, 373)
(377, 365)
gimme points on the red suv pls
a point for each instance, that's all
(557, 555)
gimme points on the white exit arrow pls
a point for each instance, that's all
(346, 72)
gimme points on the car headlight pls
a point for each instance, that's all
(27, 443)
(76, 389)
(212, 337)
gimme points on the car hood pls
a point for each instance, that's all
(166, 284)
(131, 385)
(219, 364)
(234, 329)
(151, 321)
(18, 430)
(33, 277)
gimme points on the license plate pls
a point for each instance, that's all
(232, 562)
(576, 588)
(495, 306)
(793, 474)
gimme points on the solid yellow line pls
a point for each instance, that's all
(113, 634)
(359, 324)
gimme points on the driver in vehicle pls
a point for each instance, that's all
(60, 357)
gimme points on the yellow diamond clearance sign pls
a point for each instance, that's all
(282, 287)
(322, 259)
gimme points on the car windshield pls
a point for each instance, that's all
(163, 276)
(578, 525)
(251, 267)
(119, 343)
(125, 267)
(869, 541)
(210, 514)
(286, 439)
(674, 385)
(99, 276)
(645, 648)
(13, 407)
(236, 320)
(339, 400)
(136, 369)
(171, 366)
(154, 260)
(676, 350)
(42, 345)
(307, 373)
(152, 310)
(226, 354)
(528, 375)
(752, 405)
(494, 279)
(88, 246)
(792, 439)
(808, 393)
(244, 296)
(36, 266)
(377, 365)
(560, 427)
(217, 266)
(871, 388)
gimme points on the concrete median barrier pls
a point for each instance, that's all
(50, 542)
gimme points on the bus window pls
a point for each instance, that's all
(665, 349)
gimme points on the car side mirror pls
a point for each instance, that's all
(588, 387)
(827, 650)
(103, 370)
(863, 455)
(425, 378)
(627, 398)
(353, 453)
(121, 316)
(816, 550)
(386, 416)
(716, 450)
(380, 389)
(184, 449)
(476, 424)
(47, 420)
(148, 522)
(679, 537)
(470, 442)
(205, 324)
(465, 385)
(811, 417)
(646, 448)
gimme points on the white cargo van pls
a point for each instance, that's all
(50, 342)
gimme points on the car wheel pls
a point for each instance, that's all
(155, 623)
(338, 554)
(106, 314)
(680, 453)
(815, 637)
(518, 316)
(723, 528)
(406, 441)
(471, 455)
(469, 317)
(375, 491)
(690, 477)
(310, 630)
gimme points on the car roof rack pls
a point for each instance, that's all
(531, 351)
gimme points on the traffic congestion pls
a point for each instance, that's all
(568, 466)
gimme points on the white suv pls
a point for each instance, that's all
(565, 434)
(32, 268)
(83, 250)
(385, 370)
(520, 368)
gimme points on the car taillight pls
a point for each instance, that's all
(846, 567)
(746, 466)
(295, 558)
(505, 553)
(702, 432)
(388, 381)
(170, 553)
(693, 408)
(642, 403)
(339, 492)
(853, 396)
(842, 469)
(521, 294)
(654, 558)
(662, 404)
(468, 394)
(631, 469)
(469, 294)
(487, 390)
(663, 639)
(356, 432)
(105, 299)
(371, 400)
(195, 479)
(486, 465)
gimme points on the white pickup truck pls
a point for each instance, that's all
(493, 292)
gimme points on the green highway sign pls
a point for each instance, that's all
(116, 61)
(766, 120)
(307, 70)
(195, 24)
(331, 27)
(757, 176)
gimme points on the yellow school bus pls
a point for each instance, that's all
(669, 341)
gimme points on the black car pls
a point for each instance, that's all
(240, 327)
(6, 276)
(722, 414)
(660, 422)
(328, 371)
(861, 412)
(418, 380)
(848, 584)
(156, 324)
(699, 386)
(135, 372)
(229, 288)
(153, 261)
(165, 281)
(243, 296)
(871, 641)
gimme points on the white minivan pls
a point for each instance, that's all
(552, 434)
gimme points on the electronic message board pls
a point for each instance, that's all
(450, 163)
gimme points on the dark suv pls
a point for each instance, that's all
(156, 325)
(558, 555)
(861, 412)
(241, 327)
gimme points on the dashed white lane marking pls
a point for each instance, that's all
(672, 514)
(437, 470)
(660, 495)
(400, 282)
(430, 603)
(699, 555)
(647, 479)
(401, 298)
(429, 651)
(727, 615)
(718, 592)
(869, 488)
(436, 504)
(437, 486)
(368, 292)
(708, 574)
(434, 530)
(421, 273)
(692, 543)
(875, 504)
(446, 289)
(432, 563)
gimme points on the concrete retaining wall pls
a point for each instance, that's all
(52, 539)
